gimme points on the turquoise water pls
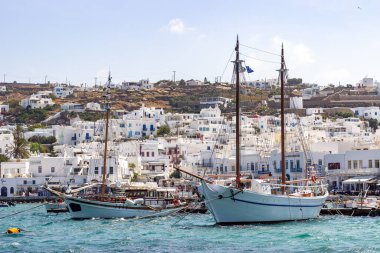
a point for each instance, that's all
(192, 233)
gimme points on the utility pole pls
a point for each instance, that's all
(96, 79)
(174, 76)
(45, 78)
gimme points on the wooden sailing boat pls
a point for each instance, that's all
(124, 206)
(262, 203)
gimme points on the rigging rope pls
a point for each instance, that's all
(229, 60)
(260, 50)
(274, 62)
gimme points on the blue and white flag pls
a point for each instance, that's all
(249, 70)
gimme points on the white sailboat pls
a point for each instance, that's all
(263, 202)
(111, 206)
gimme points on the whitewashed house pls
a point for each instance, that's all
(39, 100)
(62, 91)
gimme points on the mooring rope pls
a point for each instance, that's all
(20, 211)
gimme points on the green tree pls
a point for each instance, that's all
(175, 174)
(3, 158)
(373, 124)
(294, 81)
(163, 130)
(182, 82)
(20, 147)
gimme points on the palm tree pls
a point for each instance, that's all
(20, 147)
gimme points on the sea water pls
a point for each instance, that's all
(183, 233)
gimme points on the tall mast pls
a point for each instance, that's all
(237, 71)
(108, 108)
(282, 73)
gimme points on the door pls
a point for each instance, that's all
(4, 191)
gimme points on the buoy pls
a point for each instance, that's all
(13, 230)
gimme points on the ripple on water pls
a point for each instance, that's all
(192, 233)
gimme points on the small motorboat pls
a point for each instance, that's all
(57, 207)
(4, 204)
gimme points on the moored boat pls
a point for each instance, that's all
(263, 201)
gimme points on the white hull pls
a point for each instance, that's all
(84, 209)
(230, 206)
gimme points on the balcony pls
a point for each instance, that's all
(295, 169)
(260, 172)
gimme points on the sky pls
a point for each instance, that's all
(325, 41)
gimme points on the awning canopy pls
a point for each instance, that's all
(358, 180)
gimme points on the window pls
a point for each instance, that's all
(349, 164)
(12, 190)
(369, 163)
(152, 154)
(286, 165)
(333, 166)
(377, 164)
(142, 154)
(320, 162)
(39, 169)
(298, 164)
(291, 164)
(34, 182)
(147, 154)
(360, 164)
(25, 182)
(96, 170)
(111, 170)
(52, 169)
(355, 164)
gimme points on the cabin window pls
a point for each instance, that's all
(369, 163)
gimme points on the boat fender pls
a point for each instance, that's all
(129, 202)
(13, 230)
(139, 201)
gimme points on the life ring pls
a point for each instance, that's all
(314, 179)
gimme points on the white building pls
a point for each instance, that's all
(62, 91)
(142, 84)
(72, 107)
(93, 106)
(193, 82)
(39, 100)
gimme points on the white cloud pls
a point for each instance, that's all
(176, 26)
(297, 53)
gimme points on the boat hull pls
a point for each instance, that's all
(86, 209)
(232, 206)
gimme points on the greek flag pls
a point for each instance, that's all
(249, 70)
